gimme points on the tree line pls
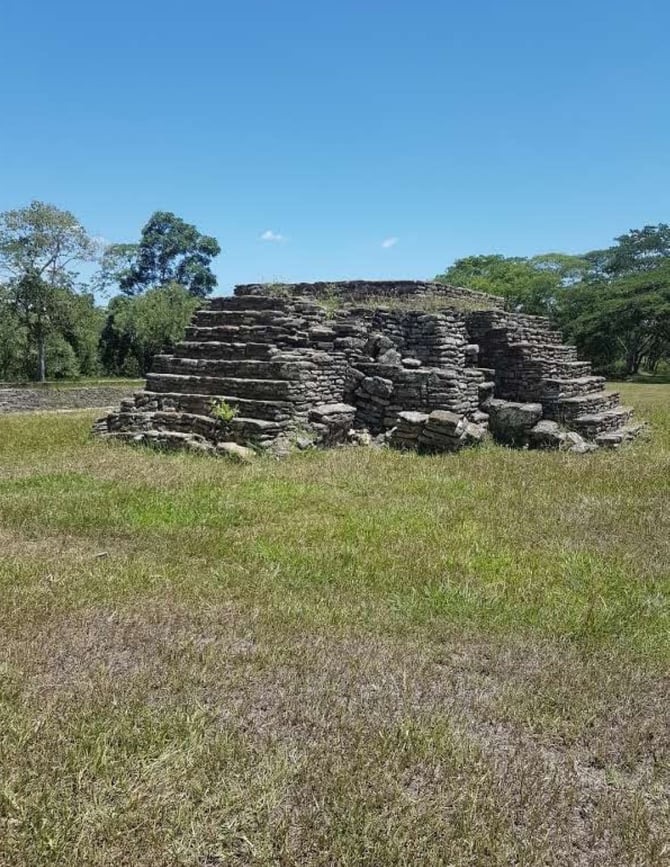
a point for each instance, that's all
(51, 325)
(614, 304)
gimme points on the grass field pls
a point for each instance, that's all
(352, 657)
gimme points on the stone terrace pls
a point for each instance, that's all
(336, 362)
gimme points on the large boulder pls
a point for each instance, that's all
(511, 422)
(391, 357)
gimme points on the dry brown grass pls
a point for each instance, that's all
(345, 658)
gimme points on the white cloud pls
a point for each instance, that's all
(387, 243)
(269, 235)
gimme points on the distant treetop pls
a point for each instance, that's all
(170, 251)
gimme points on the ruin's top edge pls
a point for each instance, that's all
(357, 290)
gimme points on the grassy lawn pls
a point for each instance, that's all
(350, 657)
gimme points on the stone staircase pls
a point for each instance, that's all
(532, 364)
(251, 353)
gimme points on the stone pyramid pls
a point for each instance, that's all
(331, 362)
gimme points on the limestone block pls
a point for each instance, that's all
(333, 421)
(377, 386)
(510, 422)
(235, 452)
(546, 435)
(391, 356)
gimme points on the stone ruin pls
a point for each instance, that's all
(414, 365)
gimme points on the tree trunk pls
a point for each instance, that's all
(633, 362)
(41, 356)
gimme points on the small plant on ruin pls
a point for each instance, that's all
(278, 290)
(223, 412)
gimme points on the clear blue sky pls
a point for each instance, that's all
(511, 126)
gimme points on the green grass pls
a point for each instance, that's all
(346, 657)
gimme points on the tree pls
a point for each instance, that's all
(116, 266)
(619, 314)
(170, 251)
(627, 318)
(531, 285)
(38, 246)
(138, 328)
(13, 340)
(639, 250)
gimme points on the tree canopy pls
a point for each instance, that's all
(614, 303)
(139, 327)
(39, 246)
(529, 284)
(169, 251)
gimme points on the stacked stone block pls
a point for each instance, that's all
(531, 364)
(280, 362)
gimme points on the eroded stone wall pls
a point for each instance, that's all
(53, 398)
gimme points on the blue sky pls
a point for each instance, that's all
(370, 139)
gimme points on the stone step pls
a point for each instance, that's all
(534, 334)
(184, 422)
(544, 349)
(254, 389)
(222, 350)
(248, 334)
(248, 302)
(277, 411)
(254, 428)
(567, 408)
(163, 439)
(301, 306)
(208, 318)
(240, 429)
(237, 368)
(592, 424)
(552, 369)
(555, 388)
(613, 439)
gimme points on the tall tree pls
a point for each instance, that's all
(637, 251)
(39, 245)
(170, 251)
(619, 314)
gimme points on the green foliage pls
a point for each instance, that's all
(13, 340)
(116, 266)
(170, 251)
(224, 412)
(39, 245)
(63, 361)
(639, 250)
(138, 328)
(622, 321)
(613, 303)
(531, 285)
